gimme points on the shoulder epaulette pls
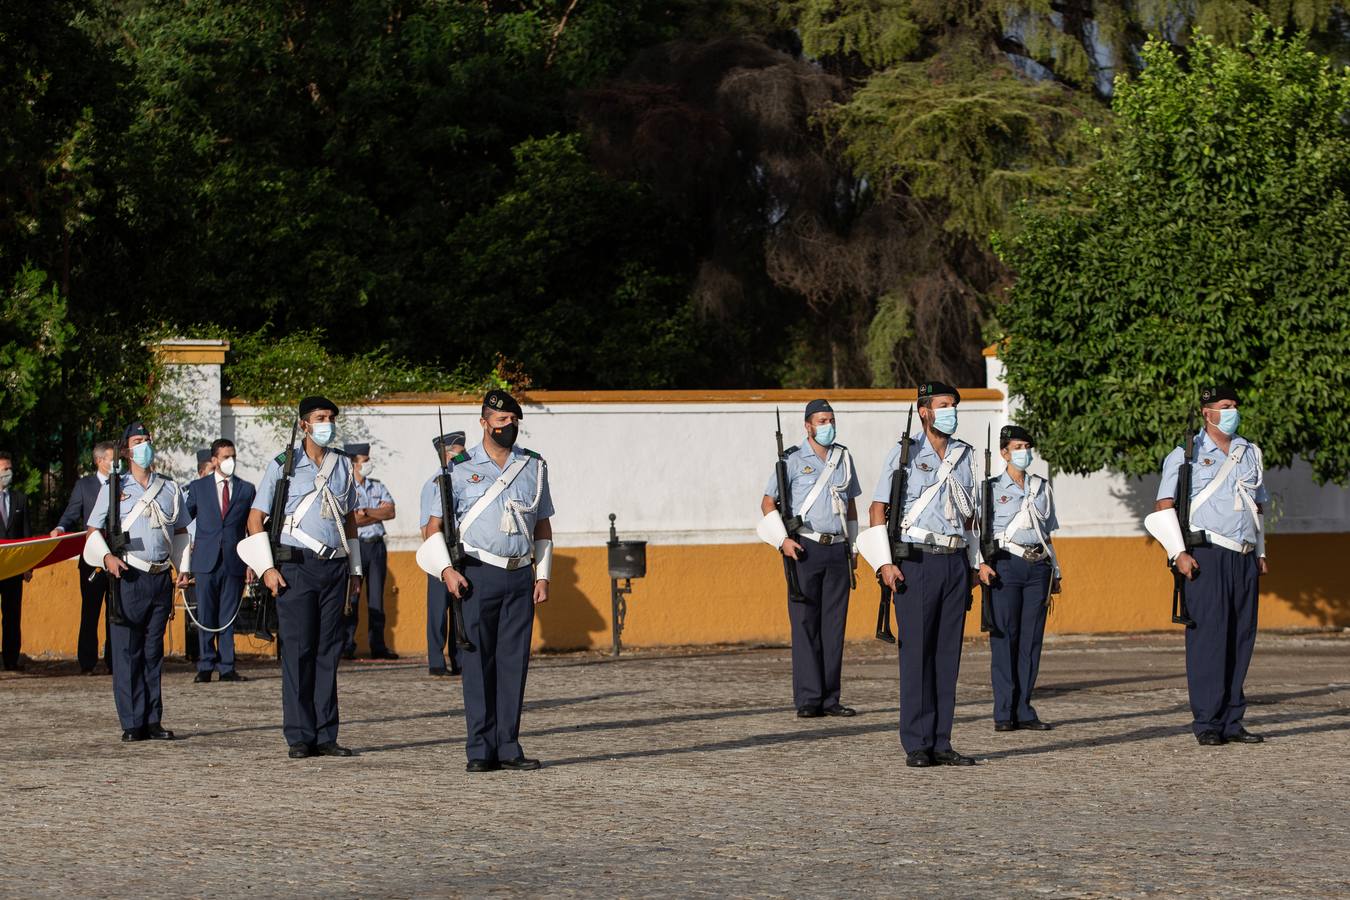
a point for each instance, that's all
(839, 445)
(460, 457)
(528, 452)
(791, 450)
(373, 480)
(281, 458)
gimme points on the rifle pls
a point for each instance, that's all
(117, 543)
(450, 531)
(790, 522)
(1181, 615)
(988, 542)
(895, 514)
(281, 553)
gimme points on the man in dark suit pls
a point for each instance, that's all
(93, 582)
(218, 503)
(13, 524)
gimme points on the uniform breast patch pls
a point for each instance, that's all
(808, 470)
(125, 496)
(1206, 461)
(925, 467)
(474, 479)
(1004, 499)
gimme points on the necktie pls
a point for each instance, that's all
(224, 498)
(4, 511)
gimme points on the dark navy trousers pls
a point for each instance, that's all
(499, 618)
(818, 624)
(309, 624)
(375, 562)
(930, 614)
(1222, 601)
(439, 632)
(218, 595)
(138, 647)
(1019, 607)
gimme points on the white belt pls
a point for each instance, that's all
(144, 565)
(1219, 540)
(826, 539)
(509, 563)
(1031, 554)
(925, 538)
(321, 550)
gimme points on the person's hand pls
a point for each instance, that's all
(114, 565)
(173, 610)
(275, 583)
(1187, 565)
(353, 585)
(1055, 586)
(791, 549)
(55, 532)
(986, 574)
(891, 576)
(1262, 567)
(540, 591)
(249, 576)
(455, 583)
(184, 579)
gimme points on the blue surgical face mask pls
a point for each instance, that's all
(1228, 421)
(1020, 458)
(944, 420)
(322, 433)
(143, 454)
(825, 435)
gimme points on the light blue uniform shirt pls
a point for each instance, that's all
(1217, 514)
(803, 468)
(471, 480)
(341, 483)
(147, 541)
(923, 466)
(430, 501)
(1008, 497)
(368, 496)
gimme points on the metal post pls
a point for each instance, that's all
(619, 611)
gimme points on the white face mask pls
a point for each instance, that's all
(6, 477)
(323, 433)
(366, 468)
(226, 467)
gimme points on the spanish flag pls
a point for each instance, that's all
(18, 556)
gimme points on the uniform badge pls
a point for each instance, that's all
(925, 467)
(1004, 499)
(807, 471)
(474, 479)
(1206, 461)
(126, 495)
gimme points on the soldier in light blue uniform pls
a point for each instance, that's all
(1227, 507)
(439, 634)
(823, 560)
(931, 583)
(374, 507)
(158, 540)
(1022, 575)
(509, 547)
(311, 587)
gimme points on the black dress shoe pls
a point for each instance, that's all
(203, 678)
(1035, 725)
(1005, 726)
(157, 732)
(1210, 739)
(520, 764)
(809, 712)
(232, 676)
(482, 765)
(386, 653)
(840, 710)
(332, 748)
(133, 734)
(299, 751)
(1243, 736)
(919, 759)
(439, 672)
(951, 758)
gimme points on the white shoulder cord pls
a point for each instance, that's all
(513, 511)
(838, 505)
(1244, 491)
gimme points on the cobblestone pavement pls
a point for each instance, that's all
(685, 772)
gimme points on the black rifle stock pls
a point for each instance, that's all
(450, 531)
(276, 520)
(790, 522)
(895, 514)
(1181, 615)
(988, 541)
(117, 543)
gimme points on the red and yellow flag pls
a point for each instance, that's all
(18, 556)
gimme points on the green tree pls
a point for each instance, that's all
(1212, 244)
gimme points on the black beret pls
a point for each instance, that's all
(930, 389)
(356, 449)
(449, 439)
(132, 430)
(501, 401)
(1013, 433)
(1215, 394)
(309, 404)
(203, 455)
(816, 406)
